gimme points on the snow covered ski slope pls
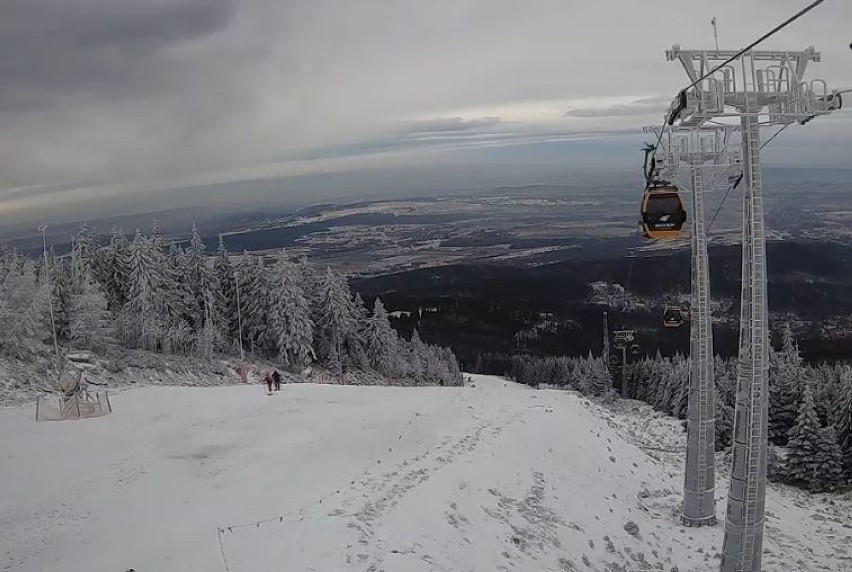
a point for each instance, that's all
(491, 477)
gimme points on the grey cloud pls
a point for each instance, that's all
(138, 93)
(450, 124)
(51, 49)
(639, 107)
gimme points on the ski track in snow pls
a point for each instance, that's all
(491, 477)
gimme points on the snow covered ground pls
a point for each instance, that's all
(491, 477)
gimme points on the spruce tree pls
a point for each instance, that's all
(143, 304)
(208, 336)
(85, 251)
(724, 423)
(382, 342)
(809, 462)
(830, 460)
(334, 321)
(356, 351)
(289, 314)
(223, 272)
(843, 420)
(24, 307)
(784, 388)
(117, 271)
(200, 281)
(600, 382)
(255, 305)
(62, 286)
(90, 322)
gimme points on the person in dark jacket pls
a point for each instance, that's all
(268, 379)
(276, 377)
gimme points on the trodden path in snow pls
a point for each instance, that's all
(491, 477)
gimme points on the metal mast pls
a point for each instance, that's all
(768, 89)
(699, 488)
(698, 146)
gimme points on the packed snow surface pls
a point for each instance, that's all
(321, 477)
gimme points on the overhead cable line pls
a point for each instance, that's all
(672, 117)
(765, 36)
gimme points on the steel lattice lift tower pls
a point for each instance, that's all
(713, 150)
(754, 88)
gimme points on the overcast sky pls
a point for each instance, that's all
(112, 98)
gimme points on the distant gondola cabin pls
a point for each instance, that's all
(672, 317)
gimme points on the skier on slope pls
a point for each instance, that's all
(276, 378)
(268, 380)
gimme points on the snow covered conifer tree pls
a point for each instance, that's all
(85, 251)
(356, 351)
(382, 342)
(24, 307)
(208, 338)
(843, 420)
(62, 285)
(289, 313)
(415, 358)
(200, 280)
(157, 237)
(117, 271)
(830, 460)
(600, 382)
(724, 423)
(90, 322)
(809, 462)
(223, 273)
(145, 320)
(680, 372)
(333, 322)
(256, 304)
(784, 389)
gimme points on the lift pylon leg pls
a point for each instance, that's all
(699, 503)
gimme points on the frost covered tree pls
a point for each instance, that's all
(223, 274)
(289, 313)
(116, 256)
(255, 305)
(599, 380)
(356, 351)
(382, 342)
(61, 287)
(414, 358)
(24, 308)
(843, 420)
(144, 316)
(815, 460)
(208, 338)
(724, 423)
(90, 321)
(333, 320)
(680, 371)
(243, 271)
(201, 282)
(85, 252)
(784, 388)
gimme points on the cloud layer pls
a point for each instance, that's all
(129, 95)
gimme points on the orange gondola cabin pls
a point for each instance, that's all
(663, 214)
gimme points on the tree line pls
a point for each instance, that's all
(810, 406)
(149, 293)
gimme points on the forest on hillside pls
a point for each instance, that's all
(147, 293)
